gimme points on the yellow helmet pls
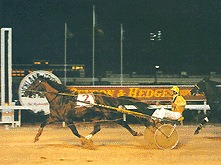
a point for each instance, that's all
(176, 89)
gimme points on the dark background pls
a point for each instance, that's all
(190, 34)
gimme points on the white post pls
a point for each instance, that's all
(19, 117)
(2, 67)
(93, 49)
(204, 107)
(121, 59)
(63, 124)
(124, 117)
(10, 66)
(65, 53)
(121, 77)
(3, 30)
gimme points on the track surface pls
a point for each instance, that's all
(112, 145)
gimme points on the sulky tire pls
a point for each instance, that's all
(149, 134)
(166, 137)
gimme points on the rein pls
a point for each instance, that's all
(43, 92)
(197, 86)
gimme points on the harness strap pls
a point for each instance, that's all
(61, 117)
(175, 98)
(53, 99)
(197, 86)
(56, 95)
(61, 100)
(95, 121)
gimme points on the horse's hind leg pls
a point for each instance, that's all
(74, 130)
(84, 141)
(97, 128)
(125, 125)
(43, 124)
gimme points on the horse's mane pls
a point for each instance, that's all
(213, 83)
(59, 87)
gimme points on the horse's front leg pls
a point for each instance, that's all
(203, 122)
(43, 124)
(125, 125)
(74, 130)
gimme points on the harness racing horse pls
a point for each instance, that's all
(65, 106)
(213, 97)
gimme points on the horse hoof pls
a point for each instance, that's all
(196, 132)
(138, 134)
(87, 143)
(36, 139)
(83, 140)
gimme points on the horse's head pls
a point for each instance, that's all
(35, 87)
(205, 86)
(48, 87)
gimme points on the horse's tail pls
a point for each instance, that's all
(132, 100)
(139, 106)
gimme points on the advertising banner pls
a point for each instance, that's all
(143, 93)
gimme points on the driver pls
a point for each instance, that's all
(178, 105)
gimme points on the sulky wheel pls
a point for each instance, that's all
(166, 137)
(149, 133)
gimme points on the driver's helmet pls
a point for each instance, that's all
(176, 89)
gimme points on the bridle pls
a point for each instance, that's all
(43, 92)
(198, 90)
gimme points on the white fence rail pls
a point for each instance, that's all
(8, 117)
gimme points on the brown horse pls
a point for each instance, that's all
(63, 107)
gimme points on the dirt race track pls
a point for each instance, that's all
(112, 145)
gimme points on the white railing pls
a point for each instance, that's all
(8, 114)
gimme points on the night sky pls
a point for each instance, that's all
(190, 34)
